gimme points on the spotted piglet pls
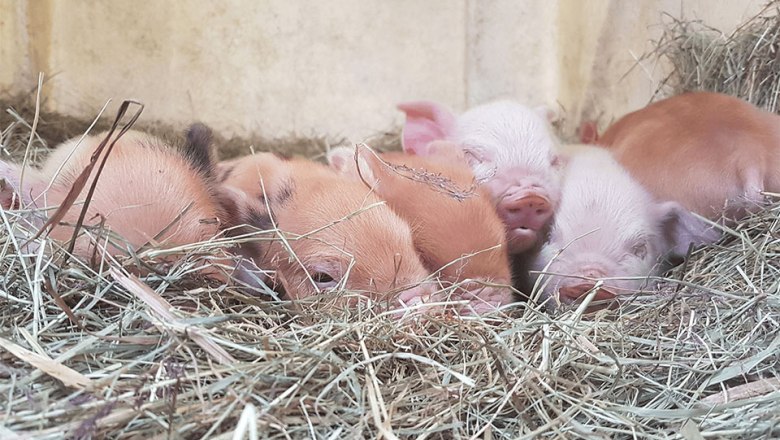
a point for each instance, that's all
(149, 193)
(337, 234)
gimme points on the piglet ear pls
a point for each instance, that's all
(198, 148)
(681, 228)
(346, 160)
(588, 132)
(425, 122)
(547, 113)
(223, 170)
(342, 159)
(10, 180)
(234, 204)
(8, 197)
(236, 212)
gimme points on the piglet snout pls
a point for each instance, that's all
(484, 296)
(415, 295)
(529, 212)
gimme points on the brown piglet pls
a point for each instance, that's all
(148, 193)
(712, 153)
(455, 227)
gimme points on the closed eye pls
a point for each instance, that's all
(323, 280)
(639, 249)
(322, 277)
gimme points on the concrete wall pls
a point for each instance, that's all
(14, 47)
(278, 67)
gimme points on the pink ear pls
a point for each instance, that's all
(341, 159)
(425, 122)
(682, 228)
(8, 197)
(589, 132)
(547, 113)
(10, 178)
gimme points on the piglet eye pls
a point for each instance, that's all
(640, 249)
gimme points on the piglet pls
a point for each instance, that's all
(148, 193)
(455, 228)
(609, 228)
(512, 152)
(339, 234)
(713, 153)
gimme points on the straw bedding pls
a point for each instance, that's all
(744, 63)
(99, 353)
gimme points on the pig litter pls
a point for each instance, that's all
(101, 354)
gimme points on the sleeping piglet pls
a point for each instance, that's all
(338, 233)
(711, 152)
(149, 193)
(512, 152)
(610, 228)
(455, 228)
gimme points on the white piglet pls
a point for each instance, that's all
(610, 228)
(511, 150)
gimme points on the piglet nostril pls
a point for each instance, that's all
(594, 273)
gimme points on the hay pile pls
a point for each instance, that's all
(98, 353)
(172, 357)
(744, 63)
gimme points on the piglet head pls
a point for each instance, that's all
(455, 228)
(336, 234)
(511, 150)
(574, 274)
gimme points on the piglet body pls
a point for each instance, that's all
(609, 228)
(455, 228)
(512, 152)
(147, 193)
(711, 152)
